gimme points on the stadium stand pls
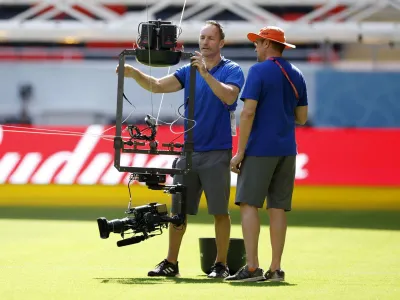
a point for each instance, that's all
(323, 30)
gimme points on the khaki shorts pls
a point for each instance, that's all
(266, 177)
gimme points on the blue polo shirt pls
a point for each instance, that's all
(212, 116)
(273, 131)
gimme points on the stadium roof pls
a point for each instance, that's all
(337, 21)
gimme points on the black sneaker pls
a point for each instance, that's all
(219, 270)
(277, 275)
(165, 268)
(244, 275)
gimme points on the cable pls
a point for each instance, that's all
(44, 131)
(131, 177)
(123, 120)
(169, 68)
(107, 138)
(183, 117)
(173, 122)
(149, 42)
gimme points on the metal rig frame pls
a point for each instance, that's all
(119, 145)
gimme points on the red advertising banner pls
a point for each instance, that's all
(355, 157)
(84, 155)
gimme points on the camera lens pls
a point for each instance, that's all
(115, 226)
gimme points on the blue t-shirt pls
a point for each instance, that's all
(212, 130)
(273, 131)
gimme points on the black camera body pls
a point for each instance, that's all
(158, 35)
(148, 220)
(157, 44)
(143, 219)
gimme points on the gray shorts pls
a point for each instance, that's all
(270, 178)
(211, 174)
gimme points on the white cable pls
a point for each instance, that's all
(44, 131)
(148, 43)
(169, 68)
(121, 122)
(60, 133)
(183, 117)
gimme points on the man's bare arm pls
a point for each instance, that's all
(167, 84)
(246, 123)
(226, 92)
(301, 114)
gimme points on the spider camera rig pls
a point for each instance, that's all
(157, 47)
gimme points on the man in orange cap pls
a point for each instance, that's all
(275, 99)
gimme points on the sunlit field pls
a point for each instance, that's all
(58, 254)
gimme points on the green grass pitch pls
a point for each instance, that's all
(57, 254)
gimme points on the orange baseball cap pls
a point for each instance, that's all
(272, 33)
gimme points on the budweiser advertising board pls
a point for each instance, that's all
(350, 157)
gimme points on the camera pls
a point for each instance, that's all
(158, 35)
(147, 220)
(157, 44)
(143, 219)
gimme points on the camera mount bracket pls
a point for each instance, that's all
(155, 182)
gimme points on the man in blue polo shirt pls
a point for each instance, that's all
(218, 83)
(275, 99)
